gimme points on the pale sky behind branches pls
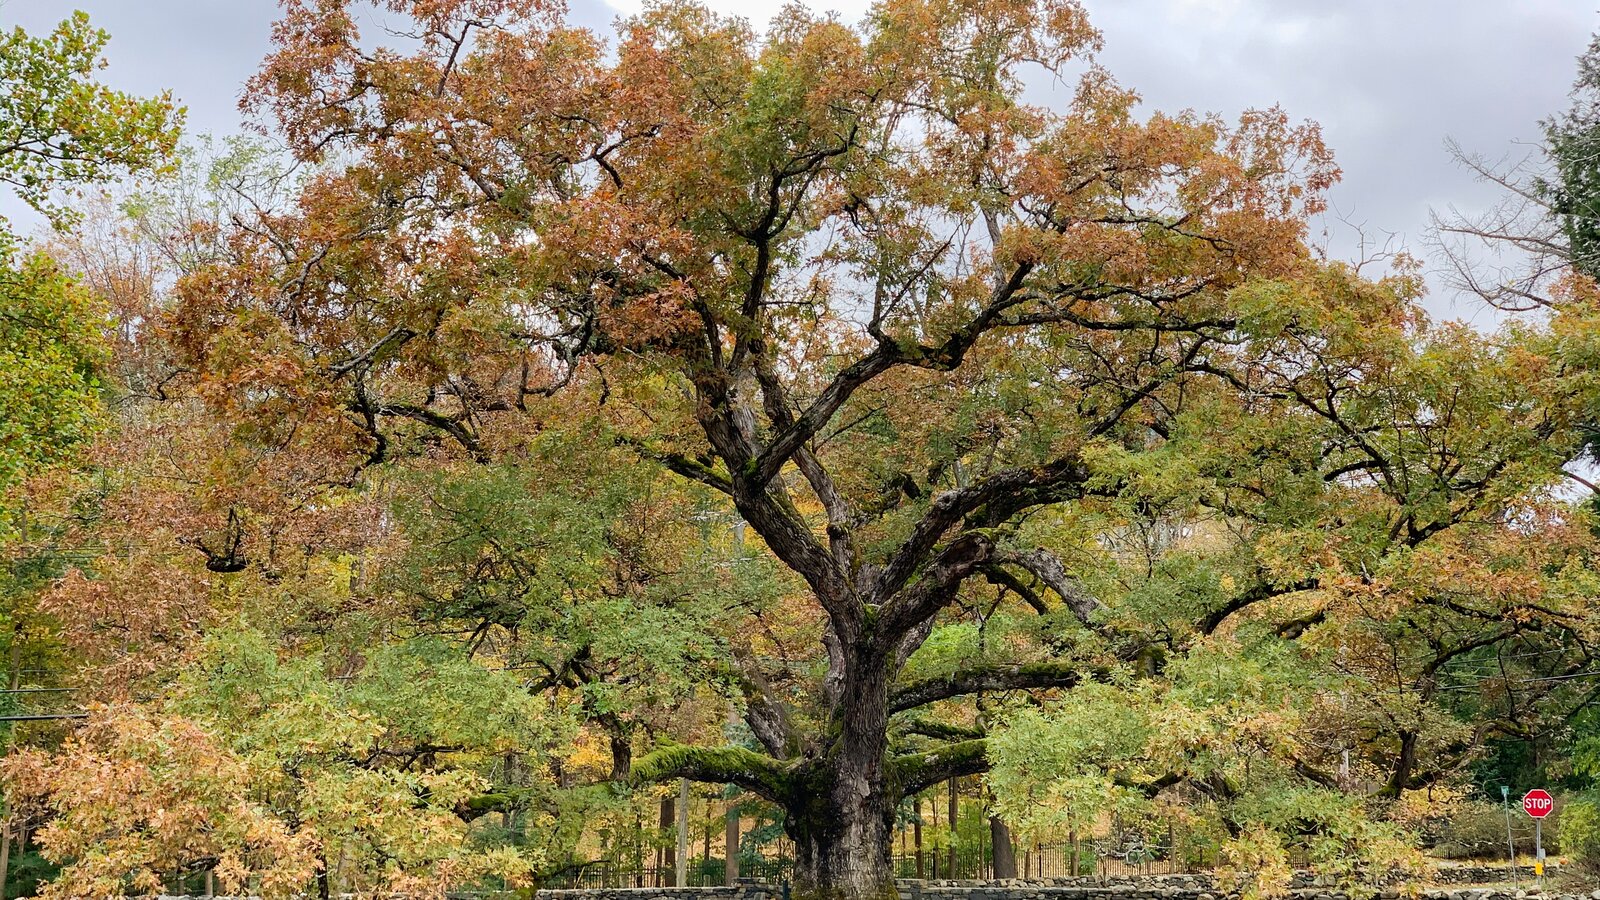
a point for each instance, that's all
(1389, 80)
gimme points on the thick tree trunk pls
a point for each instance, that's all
(842, 817)
(1404, 763)
(842, 850)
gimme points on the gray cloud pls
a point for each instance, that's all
(1389, 80)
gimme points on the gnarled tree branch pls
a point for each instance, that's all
(758, 774)
(913, 772)
(1022, 676)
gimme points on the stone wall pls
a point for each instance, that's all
(1143, 887)
(1484, 874)
(1146, 887)
(744, 890)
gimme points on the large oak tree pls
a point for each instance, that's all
(918, 333)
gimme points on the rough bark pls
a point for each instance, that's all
(1405, 761)
(1021, 676)
(844, 852)
(841, 815)
(839, 803)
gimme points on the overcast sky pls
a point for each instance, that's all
(1390, 80)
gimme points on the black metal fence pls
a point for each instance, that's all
(1051, 861)
(1160, 854)
(702, 872)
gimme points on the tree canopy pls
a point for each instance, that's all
(803, 412)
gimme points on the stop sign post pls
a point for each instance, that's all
(1538, 803)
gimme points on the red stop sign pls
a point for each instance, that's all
(1537, 803)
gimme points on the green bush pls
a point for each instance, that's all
(1580, 828)
(1477, 830)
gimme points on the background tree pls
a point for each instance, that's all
(59, 131)
(1573, 190)
(1518, 254)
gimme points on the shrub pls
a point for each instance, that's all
(1579, 829)
(1477, 830)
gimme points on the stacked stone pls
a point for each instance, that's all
(1304, 886)
(1484, 874)
(744, 890)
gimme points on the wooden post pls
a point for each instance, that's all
(5, 853)
(985, 851)
(730, 864)
(916, 838)
(705, 857)
(681, 874)
(638, 848)
(955, 814)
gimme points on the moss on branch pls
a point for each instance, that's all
(1015, 677)
(913, 772)
(752, 771)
